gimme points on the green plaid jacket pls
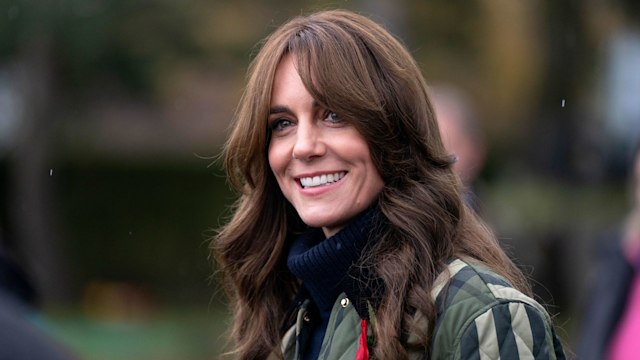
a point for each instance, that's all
(480, 316)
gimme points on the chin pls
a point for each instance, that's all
(316, 222)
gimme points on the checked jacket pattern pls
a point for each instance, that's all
(479, 316)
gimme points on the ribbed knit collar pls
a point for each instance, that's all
(327, 267)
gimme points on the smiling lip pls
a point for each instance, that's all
(308, 182)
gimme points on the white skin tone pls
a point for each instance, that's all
(456, 139)
(313, 146)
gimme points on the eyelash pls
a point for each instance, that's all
(277, 124)
(328, 116)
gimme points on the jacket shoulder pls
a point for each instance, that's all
(478, 311)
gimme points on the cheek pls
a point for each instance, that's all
(276, 159)
(271, 158)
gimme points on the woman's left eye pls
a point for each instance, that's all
(333, 117)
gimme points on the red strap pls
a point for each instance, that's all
(363, 350)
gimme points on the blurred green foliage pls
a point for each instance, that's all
(184, 333)
(148, 224)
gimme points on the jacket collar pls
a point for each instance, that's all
(329, 267)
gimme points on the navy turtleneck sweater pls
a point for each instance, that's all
(326, 268)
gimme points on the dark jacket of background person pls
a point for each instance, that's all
(615, 274)
(20, 339)
(607, 299)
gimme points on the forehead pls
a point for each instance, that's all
(285, 69)
(287, 83)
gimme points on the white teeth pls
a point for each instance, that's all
(321, 179)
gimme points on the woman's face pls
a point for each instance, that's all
(321, 162)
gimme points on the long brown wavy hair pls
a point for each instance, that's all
(353, 66)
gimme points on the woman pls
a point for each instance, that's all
(350, 238)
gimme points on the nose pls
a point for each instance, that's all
(309, 142)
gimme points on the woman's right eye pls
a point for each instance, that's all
(280, 124)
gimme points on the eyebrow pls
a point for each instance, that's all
(279, 109)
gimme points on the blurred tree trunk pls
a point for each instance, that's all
(31, 173)
(557, 128)
(557, 138)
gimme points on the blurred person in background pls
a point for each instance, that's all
(351, 237)
(611, 329)
(20, 336)
(461, 135)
